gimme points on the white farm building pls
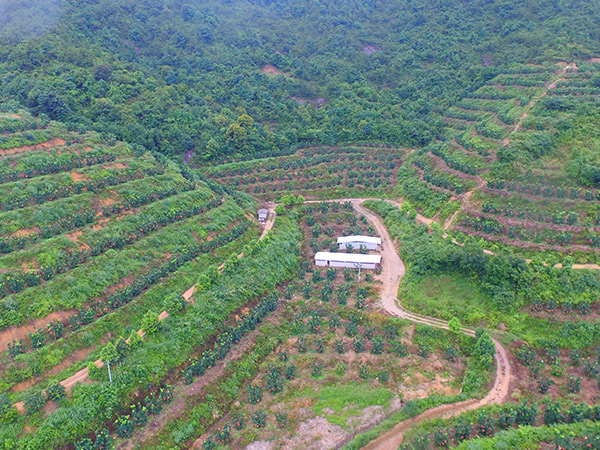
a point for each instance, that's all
(262, 215)
(368, 242)
(352, 260)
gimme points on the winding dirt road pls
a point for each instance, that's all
(393, 271)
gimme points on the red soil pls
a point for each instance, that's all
(116, 165)
(271, 70)
(56, 142)
(26, 232)
(21, 332)
(78, 177)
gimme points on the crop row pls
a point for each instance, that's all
(491, 226)
(14, 283)
(455, 163)
(440, 179)
(505, 93)
(125, 295)
(511, 80)
(469, 115)
(475, 143)
(79, 219)
(299, 163)
(545, 190)
(51, 190)
(228, 337)
(31, 137)
(117, 272)
(506, 111)
(577, 90)
(331, 170)
(337, 182)
(567, 306)
(19, 168)
(95, 405)
(25, 224)
(307, 148)
(19, 124)
(528, 69)
(491, 129)
(558, 218)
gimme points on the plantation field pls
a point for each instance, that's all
(99, 240)
(514, 163)
(315, 172)
(221, 333)
(337, 364)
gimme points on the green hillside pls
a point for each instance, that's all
(177, 76)
(144, 305)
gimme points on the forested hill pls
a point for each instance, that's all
(258, 77)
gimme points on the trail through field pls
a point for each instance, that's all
(531, 104)
(392, 274)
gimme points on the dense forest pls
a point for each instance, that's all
(235, 77)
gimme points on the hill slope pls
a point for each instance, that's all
(176, 76)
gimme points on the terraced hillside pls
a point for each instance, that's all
(520, 161)
(99, 241)
(315, 171)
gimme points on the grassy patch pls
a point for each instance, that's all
(449, 295)
(347, 401)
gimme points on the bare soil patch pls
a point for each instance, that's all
(56, 142)
(370, 49)
(79, 177)
(116, 165)
(76, 356)
(26, 232)
(271, 70)
(22, 332)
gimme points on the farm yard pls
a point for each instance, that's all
(328, 363)
(221, 332)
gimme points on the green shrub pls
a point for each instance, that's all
(150, 322)
(55, 390)
(93, 371)
(34, 401)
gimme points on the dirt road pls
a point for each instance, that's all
(393, 271)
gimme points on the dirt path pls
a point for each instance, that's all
(22, 332)
(188, 295)
(420, 217)
(393, 271)
(531, 104)
(56, 142)
(82, 375)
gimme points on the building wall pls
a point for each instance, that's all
(323, 263)
(356, 245)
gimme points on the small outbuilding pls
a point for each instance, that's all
(368, 242)
(352, 260)
(262, 215)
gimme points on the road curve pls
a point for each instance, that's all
(393, 271)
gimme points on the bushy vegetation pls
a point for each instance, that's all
(195, 69)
